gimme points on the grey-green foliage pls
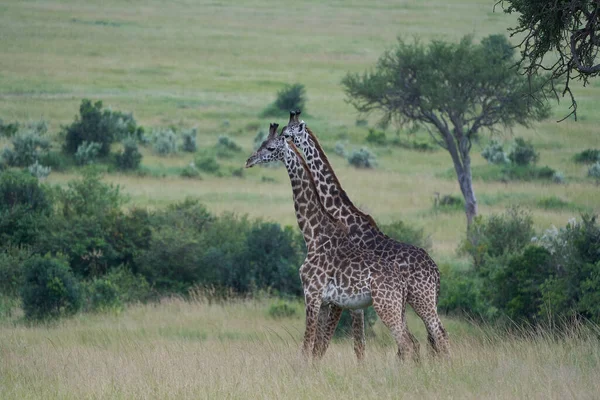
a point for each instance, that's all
(189, 140)
(594, 171)
(164, 142)
(39, 171)
(362, 158)
(130, 158)
(340, 149)
(28, 147)
(494, 153)
(87, 152)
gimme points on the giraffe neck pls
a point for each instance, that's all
(331, 194)
(312, 218)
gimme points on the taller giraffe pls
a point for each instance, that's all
(335, 271)
(420, 271)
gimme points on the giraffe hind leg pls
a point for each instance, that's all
(436, 334)
(329, 317)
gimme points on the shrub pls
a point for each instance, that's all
(8, 129)
(87, 152)
(494, 153)
(131, 287)
(405, 233)
(594, 171)
(460, 294)
(130, 157)
(448, 202)
(208, 164)
(24, 207)
(340, 149)
(498, 235)
(102, 295)
(291, 97)
(190, 172)
(56, 160)
(226, 147)
(282, 309)
(362, 158)
(164, 142)
(376, 137)
(50, 290)
(523, 153)
(12, 259)
(28, 147)
(189, 140)
(93, 124)
(516, 289)
(588, 156)
(39, 171)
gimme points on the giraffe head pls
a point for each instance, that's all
(295, 129)
(272, 149)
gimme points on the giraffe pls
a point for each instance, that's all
(420, 271)
(335, 271)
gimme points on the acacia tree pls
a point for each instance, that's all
(567, 30)
(454, 90)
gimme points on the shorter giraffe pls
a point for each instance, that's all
(335, 271)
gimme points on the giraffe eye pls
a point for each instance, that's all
(271, 148)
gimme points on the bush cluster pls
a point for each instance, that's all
(362, 158)
(548, 279)
(99, 257)
(290, 97)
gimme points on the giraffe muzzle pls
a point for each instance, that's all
(251, 162)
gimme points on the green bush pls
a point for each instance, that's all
(405, 233)
(362, 158)
(28, 147)
(226, 147)
(56, 160)
(8, 129)
(130, 157)
(594, 171)
(516, 288)
(448, 202)
(93, 124)
(24, 206)
(164, 142)
(282, 309)
(376, 137)
(87, 153)
(190, 172)
(207, 164)
(132, 288)
(12, 260)
(291, 97)
(523, 153)
(102, 295)
(494, 153)
(189, 140)
(460, 294)
(588, 156)
(498, 235)
(50, 290)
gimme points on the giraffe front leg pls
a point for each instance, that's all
(329, 317)
(313, 305)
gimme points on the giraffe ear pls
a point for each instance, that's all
(272, 130)
(301, 126)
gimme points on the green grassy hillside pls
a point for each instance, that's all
(217, 65)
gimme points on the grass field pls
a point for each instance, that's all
(217, 65)
(192, 350)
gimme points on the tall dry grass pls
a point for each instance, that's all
(191, 350)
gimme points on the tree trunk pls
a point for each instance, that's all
(462, 165)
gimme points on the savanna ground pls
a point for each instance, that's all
(216, 66)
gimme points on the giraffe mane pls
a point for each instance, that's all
(337, 182)
(337, 223)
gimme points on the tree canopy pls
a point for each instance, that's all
(566, 32)
(454, 90)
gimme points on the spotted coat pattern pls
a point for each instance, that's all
(336, 273)
(413, 263)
